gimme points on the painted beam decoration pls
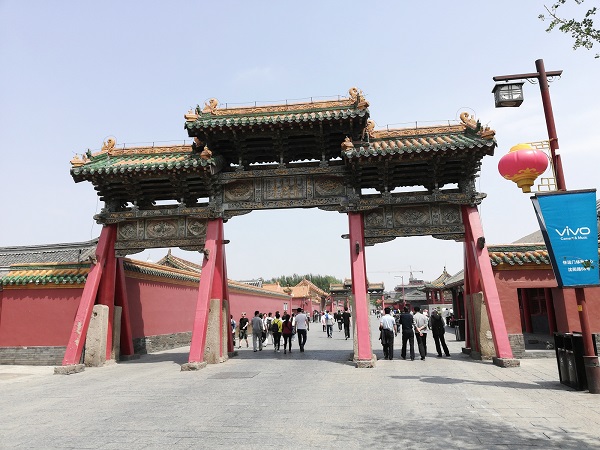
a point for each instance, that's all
(569, 225)
(134, 236)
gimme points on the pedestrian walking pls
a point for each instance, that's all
(301, 328)
(243, 330)
(276, 330)
(257, 332)
(324, 322)
(329, 324)
(387, 325)
(340, 320)
(408, 334)
(420, 323)
(233, 325)
(346, 319)
(436, 325)
(287, 329)
(268, 327)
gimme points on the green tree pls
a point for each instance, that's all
(582, 31)
(321, 281)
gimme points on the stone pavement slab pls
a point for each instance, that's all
(316, 399)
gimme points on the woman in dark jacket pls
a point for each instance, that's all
(287, 330)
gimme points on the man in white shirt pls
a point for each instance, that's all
(301, 328)
(387, 325)
(329, 320)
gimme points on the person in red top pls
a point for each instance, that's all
(287, 330)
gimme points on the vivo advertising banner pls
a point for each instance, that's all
(568, 221)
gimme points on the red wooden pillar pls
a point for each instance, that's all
(359, 286)
(106, 292)
(88, 297)
(550, 310)
(122, 301)
(526, 311)
(475, 245)
(211, 277)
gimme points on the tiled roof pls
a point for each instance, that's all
(157, 270)
(178, 263)
(426, 141)
(439, 281)
(53, 253)
(46, 274)
(457, 279)
(139, 160)
(306, 288)
(238, 286)
(518, 255)
(216, 115)
(294, 117)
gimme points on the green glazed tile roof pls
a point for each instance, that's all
(424, 141)
(210, 121)
(46, 274)
(518, 255)
(160, 271)
(140, 160)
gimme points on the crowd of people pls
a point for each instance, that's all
(268, 329)
(412, 325)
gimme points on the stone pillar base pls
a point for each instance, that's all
(506, 362)
(68, 370)
(365, 363)
(193, 366)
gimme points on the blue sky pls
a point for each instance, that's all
(74, 73)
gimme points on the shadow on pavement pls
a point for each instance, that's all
(445, 432)
(502, 384)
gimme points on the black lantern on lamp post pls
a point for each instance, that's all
(508, 94)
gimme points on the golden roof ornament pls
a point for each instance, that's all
(191, 116)
(206, 153)
(470, 122)
(369, 129)
(357, 96)
(76, 161)
(347, 144)
(211, 106)
(109, 144)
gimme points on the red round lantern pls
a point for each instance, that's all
(523, 164)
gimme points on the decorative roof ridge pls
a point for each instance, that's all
(311, 285)
(157, 267)
(515, 247)
(248, 287)
(49, 247)
(187, 265)
(211, 108)
(416, 131)
(49, 266)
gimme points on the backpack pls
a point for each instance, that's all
(275, 327)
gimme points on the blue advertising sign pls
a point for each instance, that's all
(568, 221)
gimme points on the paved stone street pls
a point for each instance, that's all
(317, 399)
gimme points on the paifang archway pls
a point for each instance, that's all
(321, 154)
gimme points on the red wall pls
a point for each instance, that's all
(565, 304)
(248, 302)
(37, 317)
(159, 308)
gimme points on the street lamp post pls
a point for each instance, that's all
(513, 98)
(542, 78)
